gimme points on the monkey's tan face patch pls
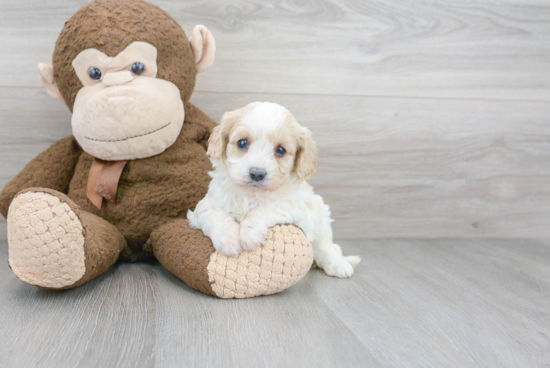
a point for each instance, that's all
(123, 115)
(142, 52)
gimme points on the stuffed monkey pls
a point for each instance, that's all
(120, 187)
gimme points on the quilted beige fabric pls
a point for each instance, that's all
(46, 241)
(284, 259)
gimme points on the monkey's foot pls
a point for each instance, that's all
(46, 240)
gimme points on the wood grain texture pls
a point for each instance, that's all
(457, 146)
(481, 49)
(389, 167)
(432, 120)
(411, 303)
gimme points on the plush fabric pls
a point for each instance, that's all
(200, 39)
(59, 239)
(279, 263)
(124, 116)
(154, 190)
(47, 241)
(52, 169)
(110, 26)
(103, 181)
(45, 73)
(185, 252)
(56, 245)
(136, 51)
(282, 261)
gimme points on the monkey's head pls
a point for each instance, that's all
(126, 69)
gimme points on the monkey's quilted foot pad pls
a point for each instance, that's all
(46, 241)
(285, 258)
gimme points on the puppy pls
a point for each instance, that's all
(261, 158)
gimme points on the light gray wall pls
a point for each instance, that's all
(432, 119)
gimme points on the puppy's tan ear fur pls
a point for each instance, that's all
(306, 158)
(217, 143)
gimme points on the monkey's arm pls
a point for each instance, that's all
(201, 122)
(52, 169)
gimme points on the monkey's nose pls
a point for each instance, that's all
(257, 174)
(117, 78)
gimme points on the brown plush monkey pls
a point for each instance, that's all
(121, 186)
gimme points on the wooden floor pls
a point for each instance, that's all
(412, 303)
(432, 121)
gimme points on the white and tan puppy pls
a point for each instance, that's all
(261, 158)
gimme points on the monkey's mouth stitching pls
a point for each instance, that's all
(125, 139)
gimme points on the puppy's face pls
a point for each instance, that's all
(263, 145)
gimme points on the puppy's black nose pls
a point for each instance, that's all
(257, 174)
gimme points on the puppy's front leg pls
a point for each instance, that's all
(254, 227)
(220, 227)
(225, 235)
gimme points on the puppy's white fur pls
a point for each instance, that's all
(237, 210)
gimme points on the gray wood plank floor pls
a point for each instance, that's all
(412, 303)
(432, 121)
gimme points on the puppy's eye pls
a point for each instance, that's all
(242, 144)
(95, 73)
(137, 68)
(280, 151)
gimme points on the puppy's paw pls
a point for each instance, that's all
(339, 266)
(281, 217)
(226, 241)
(252, 234)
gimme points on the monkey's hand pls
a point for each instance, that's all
(51, 169)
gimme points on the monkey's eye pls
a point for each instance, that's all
(95, 73)
(242, 144)
(137, 68)
(280, 151)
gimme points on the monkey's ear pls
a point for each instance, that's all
(306, 160)
(45, 73)
(203, 46)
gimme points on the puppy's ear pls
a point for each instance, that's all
(306, 159)
(217, 143)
